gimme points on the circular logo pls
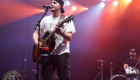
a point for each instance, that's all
(12, 75)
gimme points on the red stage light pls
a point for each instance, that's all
(14, 11)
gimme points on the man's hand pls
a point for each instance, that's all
(36, 43)
(58, 30)
(35, 38)
(124, 66)
(66, 36)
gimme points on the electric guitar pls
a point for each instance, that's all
(48, 44)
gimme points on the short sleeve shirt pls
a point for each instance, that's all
(48, 24)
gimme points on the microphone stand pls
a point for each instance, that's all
(101, 70)
(38, 25)
(111, 70)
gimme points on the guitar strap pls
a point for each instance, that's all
(61, 18)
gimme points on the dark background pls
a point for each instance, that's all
(106, 34)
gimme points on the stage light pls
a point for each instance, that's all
(128, 0)
(74, 8)
(42, 10)
(102, 4)
(115, 3)
(17, 10)
(106, 0)
(67, 2)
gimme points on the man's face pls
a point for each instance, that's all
(132, 54)
(55, 6)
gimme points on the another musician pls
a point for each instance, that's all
(59, 58)
(132, 61)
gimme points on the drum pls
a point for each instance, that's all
(119, 77)
(131, 72)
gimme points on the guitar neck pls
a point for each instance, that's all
(48, 37)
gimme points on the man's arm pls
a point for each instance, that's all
(35, 38)
(124, 66)
(67, 36)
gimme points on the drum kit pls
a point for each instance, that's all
(130, 72)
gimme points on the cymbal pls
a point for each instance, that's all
(100, 61)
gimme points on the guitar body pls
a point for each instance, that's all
(47, 48)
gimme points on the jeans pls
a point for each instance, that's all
(59, 62)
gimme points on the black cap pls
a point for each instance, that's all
(61, 2)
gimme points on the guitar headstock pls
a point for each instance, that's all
(71, 17)
(68, 19)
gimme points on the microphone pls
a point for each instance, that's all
(45, 6)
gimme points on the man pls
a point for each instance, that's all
(132, 60)
(59, 57)
(131, 65)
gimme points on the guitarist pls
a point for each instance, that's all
(59, 57)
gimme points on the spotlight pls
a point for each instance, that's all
(128, 0)
(102, 4)
(67, 3)
(74, 8)
(115, 3)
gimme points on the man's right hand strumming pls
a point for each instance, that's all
(35, 38)
(36, 43)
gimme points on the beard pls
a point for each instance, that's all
(55, 9)
(133, 56)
